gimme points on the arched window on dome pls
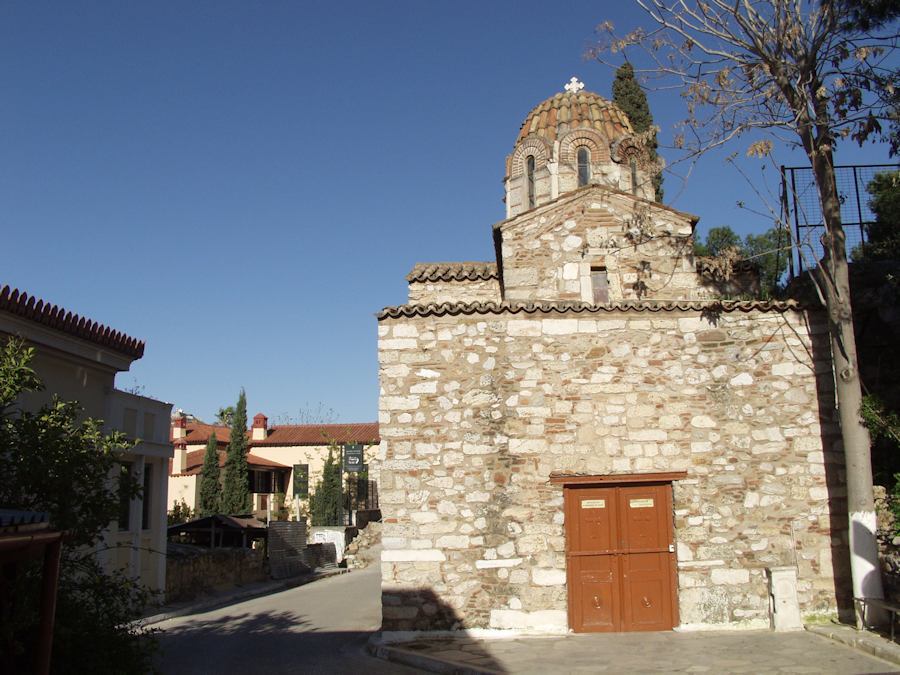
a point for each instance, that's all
(529, 177)
(584, 166)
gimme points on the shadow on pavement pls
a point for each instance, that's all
(289, 641)
(445, 638)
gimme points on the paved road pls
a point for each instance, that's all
(318, 628)
(323, 628)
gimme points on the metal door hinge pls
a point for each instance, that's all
(671, 548)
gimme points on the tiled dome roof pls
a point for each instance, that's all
(563, 112)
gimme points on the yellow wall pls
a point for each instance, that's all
(314, 455)
(183, 488)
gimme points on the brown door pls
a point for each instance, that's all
(619, 559)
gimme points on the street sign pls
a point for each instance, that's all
(353, 457)
(301, 481)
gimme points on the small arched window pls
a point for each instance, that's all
(584, 166)
(529, 174)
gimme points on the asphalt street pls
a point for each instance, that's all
(318, 628)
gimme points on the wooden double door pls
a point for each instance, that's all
(620, 558)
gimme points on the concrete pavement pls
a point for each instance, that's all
(673, 652)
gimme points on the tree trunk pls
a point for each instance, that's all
(864, 566)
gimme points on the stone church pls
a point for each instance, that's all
(584, 434)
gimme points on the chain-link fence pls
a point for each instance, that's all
(802, 209)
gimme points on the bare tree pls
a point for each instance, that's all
(309, 415)
(809, 75)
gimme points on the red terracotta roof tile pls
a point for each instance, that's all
(320, 434)
(198, 433)
(256, 460)
(194, 463)
(21, 304)
(552, 118)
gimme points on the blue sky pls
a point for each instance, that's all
(243, 185)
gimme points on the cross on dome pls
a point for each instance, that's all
(574, 86)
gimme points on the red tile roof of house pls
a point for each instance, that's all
(320, 434)
(198, 433)
(21, 304)
(194, 463)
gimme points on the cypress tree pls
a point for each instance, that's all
(210, 489)
(628, 95)
(236, 487)
(325, 502)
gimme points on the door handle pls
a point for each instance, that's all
(596, 602)
(645, 602)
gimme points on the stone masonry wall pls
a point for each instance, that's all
(647, 250)
(477, 411)
(196, 573)
(470, 290)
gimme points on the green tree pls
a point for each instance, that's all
(797, 71)
(325, 502)
(210, 485)
(55, 461)
(236, 485)
(768, 251)
(180, 513)
(883, 236)
(717, 240)
(630, 97)
(867, 14)
(225, 416)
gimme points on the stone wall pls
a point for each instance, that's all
(477, 410)
(194, 573)
(646, 248)
(468, 290)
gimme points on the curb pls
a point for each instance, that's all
(377, 648)
(248, 594)
(862, 640)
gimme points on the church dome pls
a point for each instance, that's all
(561, 113)
(569, 141)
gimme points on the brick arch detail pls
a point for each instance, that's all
(583, 137)
(627, 149)
(530, 146)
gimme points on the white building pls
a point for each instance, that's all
(78, 359)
